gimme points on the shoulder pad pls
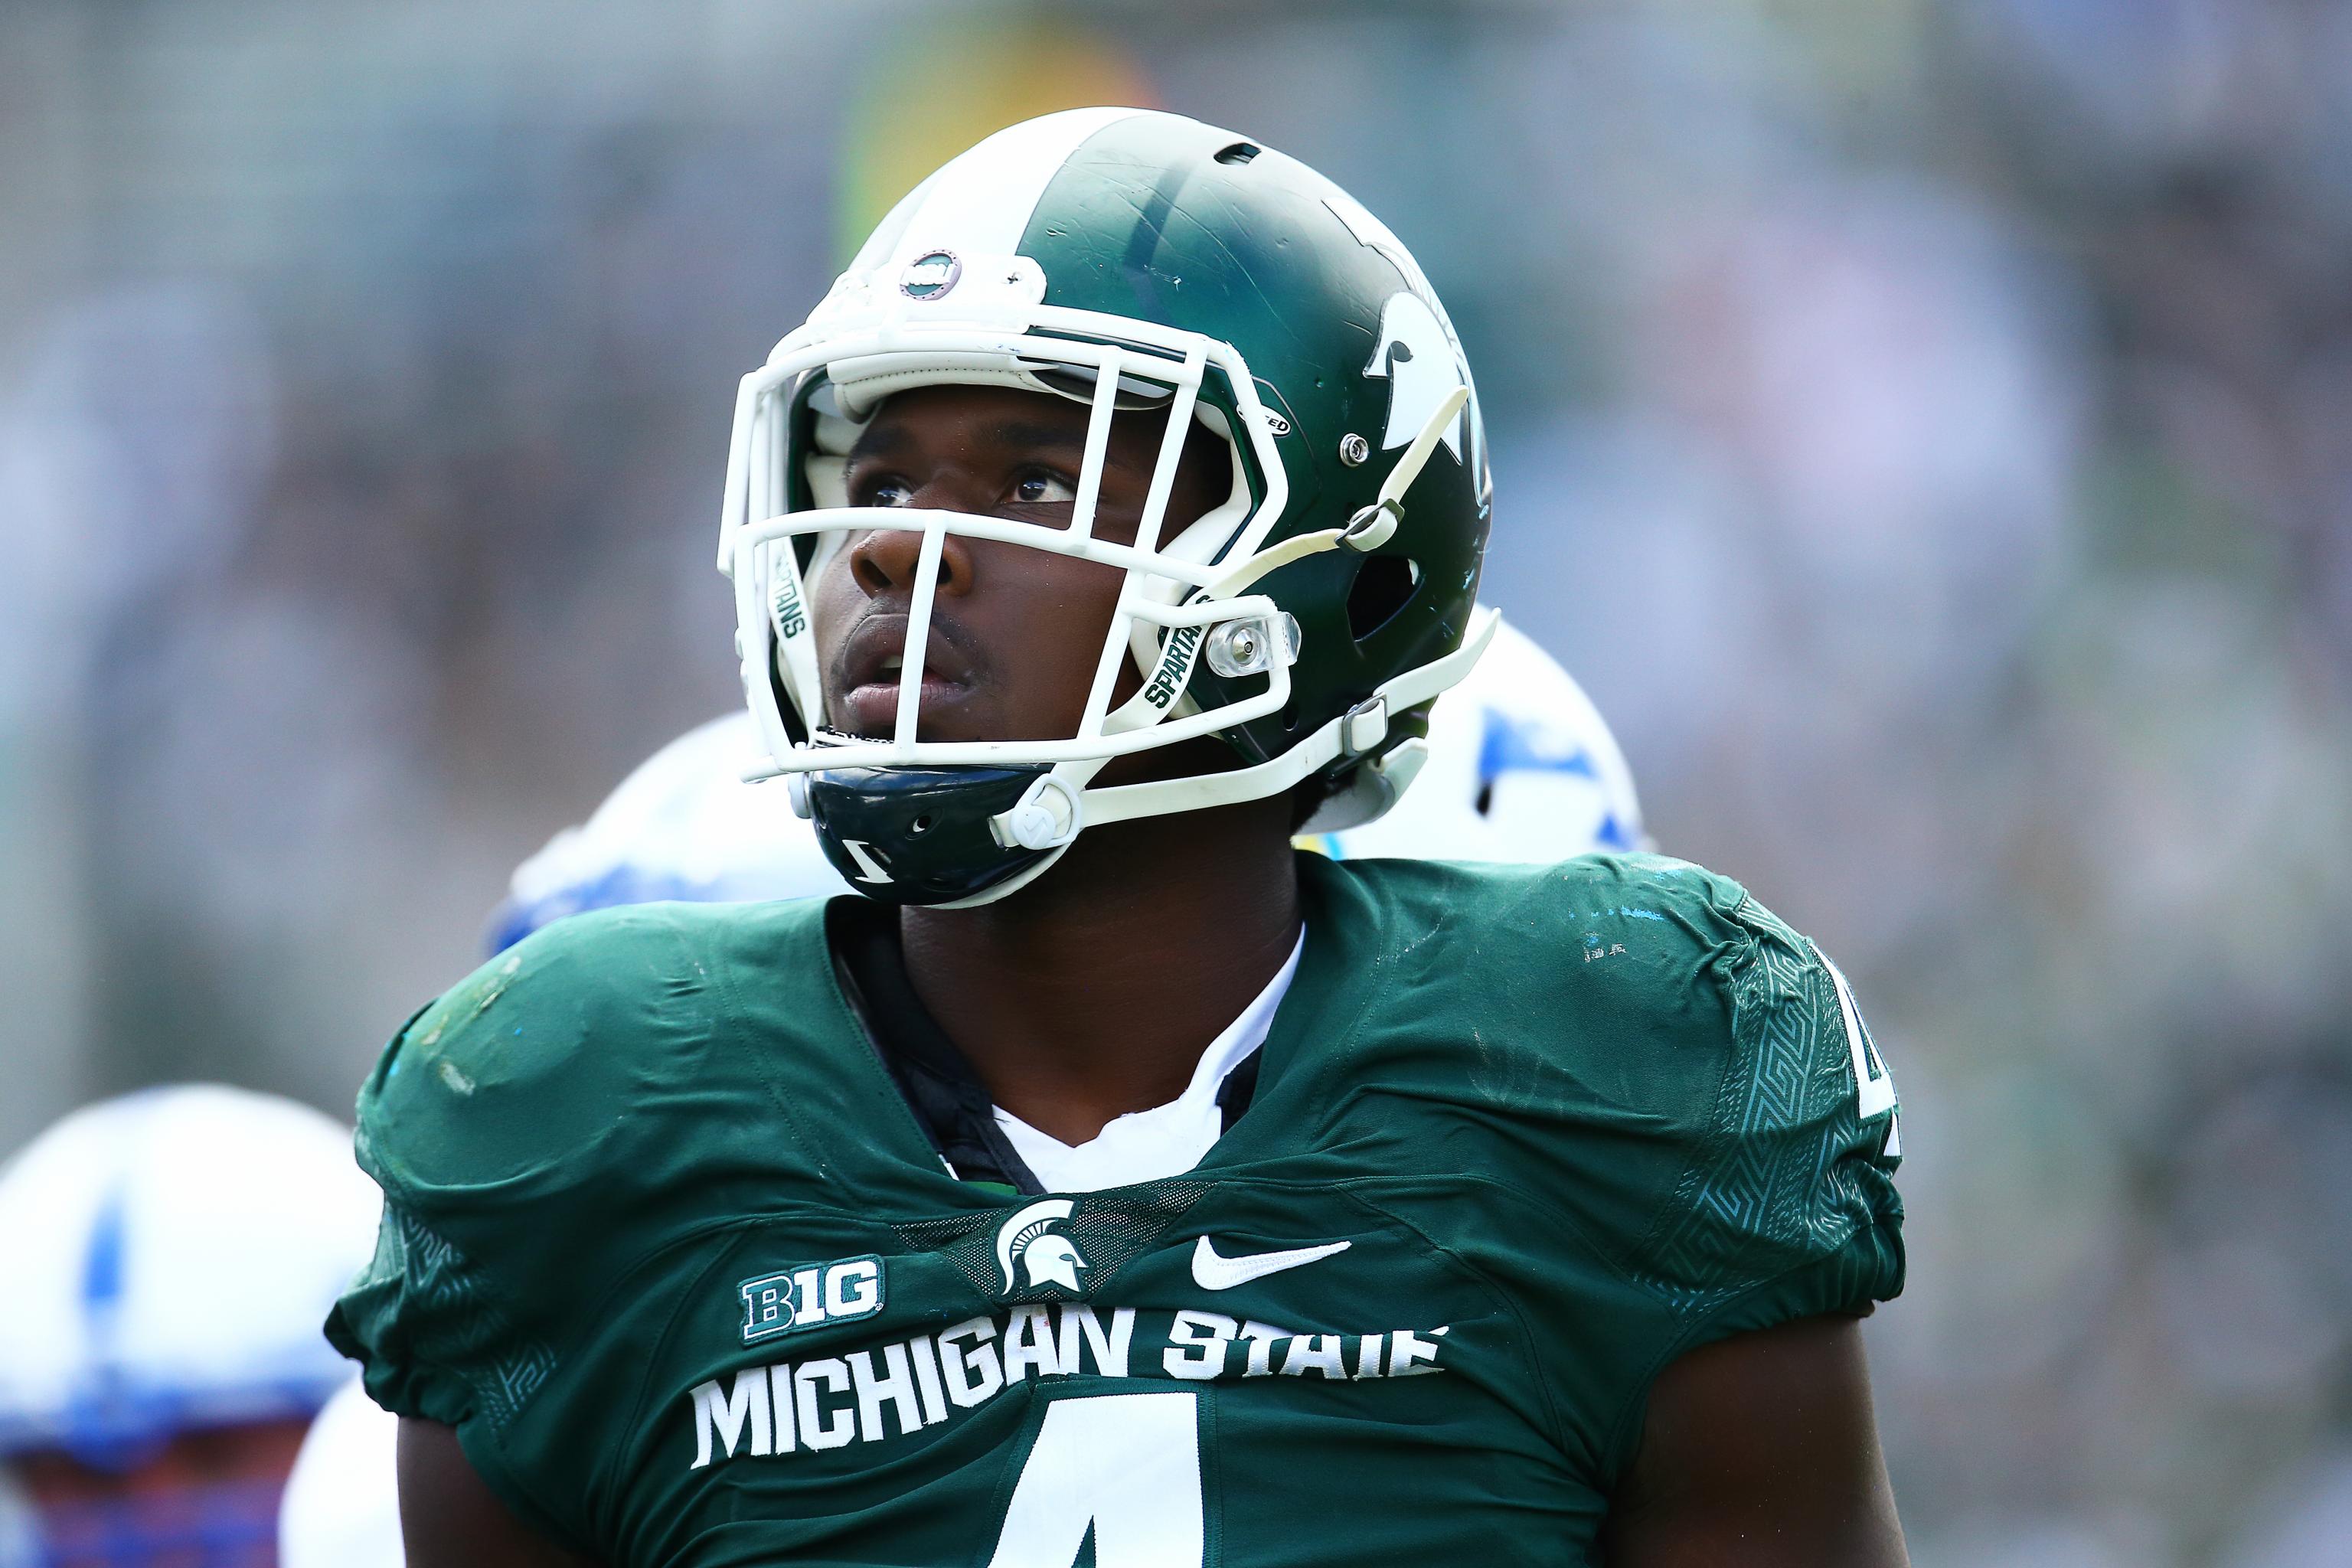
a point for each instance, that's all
(522, 1073)
(1689, 1073)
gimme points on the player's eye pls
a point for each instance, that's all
(1038, 487)
(880, 490)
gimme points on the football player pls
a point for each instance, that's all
(1521, 768)
(1112, 1183)
(169, 1254)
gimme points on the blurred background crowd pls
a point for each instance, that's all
(1922, 424)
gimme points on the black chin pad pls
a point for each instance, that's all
(919, 836)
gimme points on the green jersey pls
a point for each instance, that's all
(671, 1242)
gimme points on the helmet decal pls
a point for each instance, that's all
(1377, 236)
(930, 275)
(1374, 234)
(1422, 366)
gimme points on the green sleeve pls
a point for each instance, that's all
(1785, 1206)
(1649, 1081)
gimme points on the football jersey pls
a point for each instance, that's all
(668, 1241)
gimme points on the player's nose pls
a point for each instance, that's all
(888, 559)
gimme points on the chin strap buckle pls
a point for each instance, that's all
(1047, 817)
(1373, 526)
(1365, 726)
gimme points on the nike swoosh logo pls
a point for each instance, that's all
(1210, 1272)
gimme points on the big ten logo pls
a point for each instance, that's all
(804, 1297)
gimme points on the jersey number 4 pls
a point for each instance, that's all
(1126, 1468)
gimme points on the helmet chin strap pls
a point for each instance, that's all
(1369, 527)
(1051, 811)
(1356, 733)
(1048, 814)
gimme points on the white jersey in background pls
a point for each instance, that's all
(341, 1508)
(1521, 767)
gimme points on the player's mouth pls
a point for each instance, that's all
(868, 672)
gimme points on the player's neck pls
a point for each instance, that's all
(1093, 992)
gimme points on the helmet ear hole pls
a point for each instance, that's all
(1385, 585)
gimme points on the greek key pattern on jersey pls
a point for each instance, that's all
(1766, 1184)
(471, 1337)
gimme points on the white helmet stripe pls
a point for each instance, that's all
(980, 203)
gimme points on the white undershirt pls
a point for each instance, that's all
(1167, 1139)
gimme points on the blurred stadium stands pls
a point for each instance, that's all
(1923, 427)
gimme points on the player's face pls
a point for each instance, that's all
(1015, 633)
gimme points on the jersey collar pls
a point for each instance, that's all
(936, 1079)
(1342, 970)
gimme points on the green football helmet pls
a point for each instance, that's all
(1130, 260)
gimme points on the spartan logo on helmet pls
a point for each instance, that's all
(1422, 367)
(1029, 1240)
(1417, 352)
